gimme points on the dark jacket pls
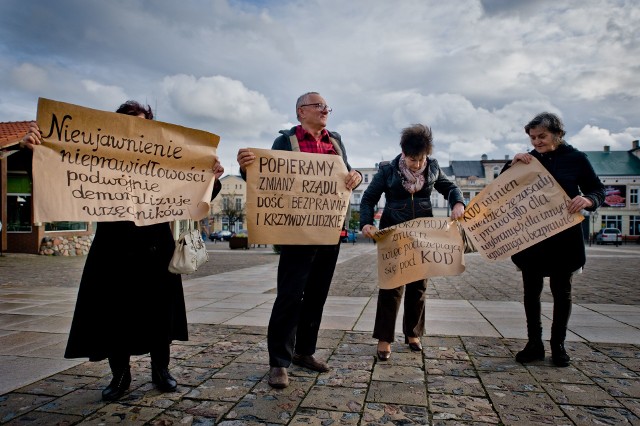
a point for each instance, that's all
(128, 300)
(400, 205)
(563, 252)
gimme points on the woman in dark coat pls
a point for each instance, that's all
(407, 183)
(128, 301)
(562, 255)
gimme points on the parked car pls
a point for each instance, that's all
(226, 235)
(609, 236)
(348, 236)
(220, 235)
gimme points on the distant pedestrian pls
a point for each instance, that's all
(561, 256)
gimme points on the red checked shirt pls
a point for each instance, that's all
(308, 143)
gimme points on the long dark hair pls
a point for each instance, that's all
(135, 108)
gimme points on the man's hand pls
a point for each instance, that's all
(245, 158)
(353, 179)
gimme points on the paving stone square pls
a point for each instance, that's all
(222, 370)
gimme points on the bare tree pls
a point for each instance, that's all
(232, 209)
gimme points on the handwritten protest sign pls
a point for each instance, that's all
(296, 198)
(418, 249)
(520, 208)
(103, 166)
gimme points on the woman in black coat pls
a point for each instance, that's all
(407, 183)
(128, 302)
(561, 256)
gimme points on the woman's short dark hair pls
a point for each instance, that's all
(416, 140)
(549, 121)
(135, 108)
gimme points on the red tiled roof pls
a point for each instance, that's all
(11, 132)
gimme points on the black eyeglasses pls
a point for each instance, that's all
(319, 107)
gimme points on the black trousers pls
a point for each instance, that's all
(304, 278)
(389, 304)
(560, 285)
(160, 357)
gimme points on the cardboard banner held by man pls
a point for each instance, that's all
(296, 198)
(418, 249)
(520, 208)
(103, 166)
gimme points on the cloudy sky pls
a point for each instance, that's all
(476, 71)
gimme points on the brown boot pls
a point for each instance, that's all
(278, 377)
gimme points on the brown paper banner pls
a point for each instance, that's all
(520, 208)
(418, 249)
(103, 166)
(296, 198)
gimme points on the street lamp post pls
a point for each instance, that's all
(594, 216)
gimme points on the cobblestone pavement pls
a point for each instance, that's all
(607, 277)
(454, 381)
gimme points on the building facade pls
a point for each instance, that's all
(619, 171)
(227, 211)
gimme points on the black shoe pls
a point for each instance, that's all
(559, 355)
(414, 346)
(384, 355)
(163, 380)
(533, 351)
(118, 386)
(308, 361)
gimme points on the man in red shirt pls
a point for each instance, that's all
(304, 271)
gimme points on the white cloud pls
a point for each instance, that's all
(474, 70)
(591, 138)
(30, 78)
(223, 101)
(109, 96)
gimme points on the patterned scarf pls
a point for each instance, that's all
(412, 181)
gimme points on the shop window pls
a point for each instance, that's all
(19, 206)
(18, 212)
(612, 222)
(65, 226)
(466, 195)
(634, 225)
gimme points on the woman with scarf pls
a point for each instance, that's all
(407, 183)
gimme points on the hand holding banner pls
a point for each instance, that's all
(296, 198)
(418, 249)
(103, 166)
(521, 207)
